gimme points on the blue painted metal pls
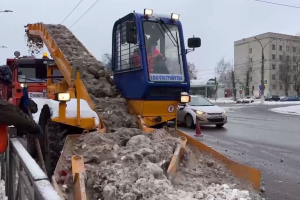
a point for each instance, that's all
(134, 83)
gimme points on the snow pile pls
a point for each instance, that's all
(291, 110)
(281, 102)
(129, 164)
(222, 100)
(2, 190)
(71, 110)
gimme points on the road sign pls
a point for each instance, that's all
(266, 82)
(241, 91)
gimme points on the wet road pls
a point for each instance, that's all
(260, 138)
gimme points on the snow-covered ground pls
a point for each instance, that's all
(222, 100)
(291, 110)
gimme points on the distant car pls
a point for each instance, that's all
(245, 100)
(291, 98)
(204, 110)
(272, 98)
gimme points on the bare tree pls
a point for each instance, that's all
(295, 71)
(192, 71)
(107, 62)
(285, 74)
(224, 70)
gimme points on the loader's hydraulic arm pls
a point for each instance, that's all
(71, 82)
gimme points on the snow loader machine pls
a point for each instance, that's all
(152, 80)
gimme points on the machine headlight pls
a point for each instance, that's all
(185, 98)
(224, 112)
(175, 17)
(23, 85)
(62, 96)
(148, 12)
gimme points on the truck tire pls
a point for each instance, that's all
(51, 143)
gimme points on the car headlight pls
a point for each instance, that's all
(199, 112)
(224, 112)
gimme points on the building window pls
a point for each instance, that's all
(280, 48)
(250, 59)
(274, 87)
(294, 49)
(287, 58)
(294, 58)
(250, 78)
(252, 87)
(273, 46)
(273, 66)
(273, 57)
(250, 69)
(250, 50)
(287, 48)
(273, 77)
(295, 77)
(294, 67)
(280, 67)
(280, 57)
(280, 87)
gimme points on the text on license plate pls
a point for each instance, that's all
(216, 117)
(36, 95)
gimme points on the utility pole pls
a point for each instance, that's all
(233, 85)
(262, 88)
(247, 84)
(216, 88)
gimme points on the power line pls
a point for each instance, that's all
(71, 12)
(278, 4)
(84, 14)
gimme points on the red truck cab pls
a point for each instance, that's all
(28, 72)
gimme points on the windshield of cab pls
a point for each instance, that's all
(199, 101)
(163, 50)
(32, 73)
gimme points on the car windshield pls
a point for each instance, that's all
(199, 101)
(163, 49)
(32, 73)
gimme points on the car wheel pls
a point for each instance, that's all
(252, 101)
(189, 121)
(219, 125)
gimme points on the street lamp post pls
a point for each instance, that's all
(263, 68)
(6, 11)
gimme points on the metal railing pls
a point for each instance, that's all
(23, 175)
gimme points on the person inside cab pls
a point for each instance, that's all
(155, 59)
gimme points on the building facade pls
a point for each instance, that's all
(248, 61)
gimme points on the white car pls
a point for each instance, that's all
(204, 110)
(245, 100)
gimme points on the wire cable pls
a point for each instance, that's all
(71, 11)
(278, 4)
(84, 14)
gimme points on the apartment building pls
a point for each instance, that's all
(248, 60)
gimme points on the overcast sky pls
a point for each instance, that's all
(217, 22)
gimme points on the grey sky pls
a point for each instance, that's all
(217, 22)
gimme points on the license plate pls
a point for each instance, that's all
(36, 95)
(216, 117)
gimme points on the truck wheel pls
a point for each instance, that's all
(53, 146)
(50, 144)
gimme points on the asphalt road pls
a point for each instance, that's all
(264, 140)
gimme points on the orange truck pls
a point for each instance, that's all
(28, 72)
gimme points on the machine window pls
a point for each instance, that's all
(127, 56)
(32, 73)
(164, 57)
